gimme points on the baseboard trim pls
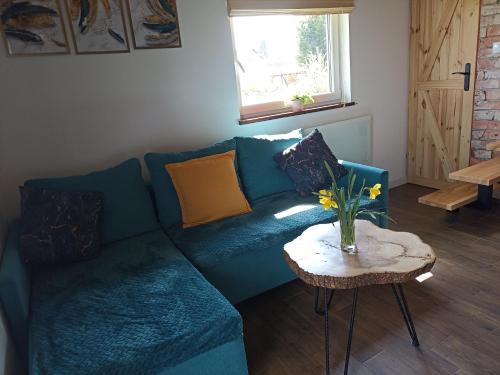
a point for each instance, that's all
(398, 182)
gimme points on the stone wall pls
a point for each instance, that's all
(486, 125)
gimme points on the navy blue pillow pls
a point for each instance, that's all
(128, 205)
(304, 163)
(59, 226)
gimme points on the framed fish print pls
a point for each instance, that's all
(33, 27)
(97, 26)
(155, 23)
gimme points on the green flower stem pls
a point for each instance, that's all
(348, 208)
(347, 234)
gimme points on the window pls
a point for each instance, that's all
(278, 56)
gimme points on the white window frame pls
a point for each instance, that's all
(338, 48)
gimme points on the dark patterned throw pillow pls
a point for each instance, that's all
(59, 226)
(304, 163)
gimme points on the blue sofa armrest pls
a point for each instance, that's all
(372, 176)
(15, 292)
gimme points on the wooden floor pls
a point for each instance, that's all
(456, 312)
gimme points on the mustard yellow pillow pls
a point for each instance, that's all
(208, 189)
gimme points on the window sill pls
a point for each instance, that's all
(251, 119)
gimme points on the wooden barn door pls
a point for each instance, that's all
(444, 35)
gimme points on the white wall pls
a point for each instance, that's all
(71, 114)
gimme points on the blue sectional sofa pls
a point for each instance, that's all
(160, 301)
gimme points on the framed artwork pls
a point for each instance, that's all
(155, 23)
(33, 27)
(97, 26)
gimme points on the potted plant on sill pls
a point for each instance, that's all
(299, 101)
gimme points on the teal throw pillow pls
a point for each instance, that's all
(260, 174)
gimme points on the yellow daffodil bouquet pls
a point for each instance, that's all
(346, 205)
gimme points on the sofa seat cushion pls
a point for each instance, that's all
(225, 251)
(140, 307)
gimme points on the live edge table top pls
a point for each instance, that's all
(384, 257)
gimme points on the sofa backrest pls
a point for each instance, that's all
(259, 174)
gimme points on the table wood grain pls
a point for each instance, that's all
(384, 257)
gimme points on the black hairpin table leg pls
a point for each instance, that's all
(351, 329)
(327, 331)
(326, 304)
(327, 299)
(403, 306)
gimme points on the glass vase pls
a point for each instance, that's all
(348, 236)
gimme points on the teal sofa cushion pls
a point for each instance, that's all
(140, 307)
(227, 359)
(128, 206)
(243, 256)
(260, 174)
(167, 203)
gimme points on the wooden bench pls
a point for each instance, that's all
(451, 198)
(485, 173)
(476, 184)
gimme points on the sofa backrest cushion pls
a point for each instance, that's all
(260, 174)
(128, 207)
(167, 203)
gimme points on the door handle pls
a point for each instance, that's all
(466, 75)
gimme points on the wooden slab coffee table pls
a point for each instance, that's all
(385, 257)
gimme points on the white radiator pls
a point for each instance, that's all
(350, 139)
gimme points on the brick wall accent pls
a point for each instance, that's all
(486, 124)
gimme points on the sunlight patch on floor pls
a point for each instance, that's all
(424, 277)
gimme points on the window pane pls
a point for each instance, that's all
(280, 56)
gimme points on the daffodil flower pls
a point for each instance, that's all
(325, 198)
(325, 193)
(375, 191)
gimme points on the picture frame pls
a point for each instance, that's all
(98, 26)
(154, 24)
(33, 28)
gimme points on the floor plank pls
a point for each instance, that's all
(456, 312)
